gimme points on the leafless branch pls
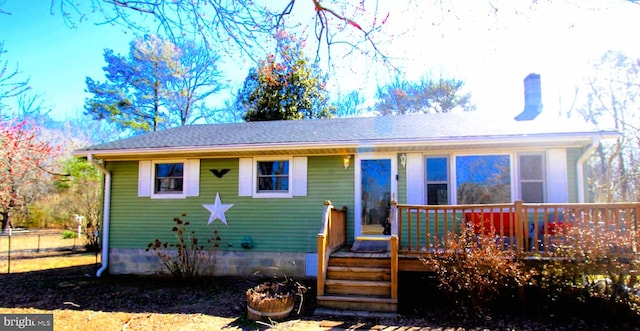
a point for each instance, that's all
(240, 25)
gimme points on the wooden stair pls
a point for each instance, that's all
(357, 285)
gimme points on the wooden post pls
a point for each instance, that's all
(322, 247)
(394, 217)
(321, 258)
(520, 226)
(394, 266)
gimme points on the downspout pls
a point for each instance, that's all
(580, 167)
(106, 214)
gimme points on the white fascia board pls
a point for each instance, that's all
(564, 139)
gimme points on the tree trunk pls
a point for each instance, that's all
(5, 221)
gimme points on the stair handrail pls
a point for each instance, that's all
(322, 247)
(328, 241)
(394, 243)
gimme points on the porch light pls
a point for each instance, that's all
(346, 161)
(403, 160)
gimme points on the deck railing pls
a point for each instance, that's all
(525, 227)
(332, 236)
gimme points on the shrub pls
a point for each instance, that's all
(187, 257)
(68, 234)
(474, 269)
(591, 259)
(92, 238)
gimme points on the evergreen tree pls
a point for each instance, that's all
(155, 86)
(284, 87)
(425, 96)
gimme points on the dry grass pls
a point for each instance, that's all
(62, 283)
(46, 262)
(32, 241)
(41, 250)
(71, 320)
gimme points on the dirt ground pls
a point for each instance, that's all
(81, 301)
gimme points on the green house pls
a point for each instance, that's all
(277, 176)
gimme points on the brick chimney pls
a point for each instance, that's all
(532, 98)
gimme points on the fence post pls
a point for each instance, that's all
(9, 254)
(394, 217)
(520, 226)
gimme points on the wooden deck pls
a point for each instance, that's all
(355, 283)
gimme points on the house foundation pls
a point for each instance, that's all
(220, 263)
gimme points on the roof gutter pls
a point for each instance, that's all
(580, 167)
(106, 214)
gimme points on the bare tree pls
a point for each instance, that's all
(11, 85)
(199, 78)
(351, 104)
(612, 102)
(33, 107)
(247, 25)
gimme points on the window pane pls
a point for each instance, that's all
(531, 167)
(532, 192)
(169, 177)
(273, 184)
(169, 170)
(483, 179)
(273, 168)
(437, 194)
(437, 169)
(273, 176)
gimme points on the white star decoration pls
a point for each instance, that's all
(217, 210)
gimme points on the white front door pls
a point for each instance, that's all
(375, 185)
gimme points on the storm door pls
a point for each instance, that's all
(375, 185)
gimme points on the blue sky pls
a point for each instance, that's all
(491, 53)
(55, 57)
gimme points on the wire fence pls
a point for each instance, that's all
(20, 244)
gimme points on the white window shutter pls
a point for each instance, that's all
(245, 177)
(557, 176)
(299, 174)
(144, 179)
(192, 180)
(415, 179)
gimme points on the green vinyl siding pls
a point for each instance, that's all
(278, 224)
(402, 182)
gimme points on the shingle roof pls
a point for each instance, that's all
(410, 128)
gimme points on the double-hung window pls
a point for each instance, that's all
(169, 178)
(532, 178)
(437, 174)
(273, 176)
